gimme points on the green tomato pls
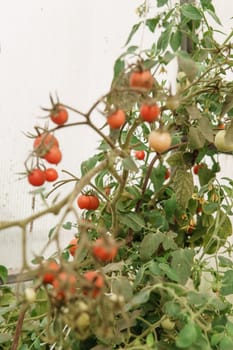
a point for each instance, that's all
(221, 144)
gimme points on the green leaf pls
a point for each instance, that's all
(182, 262)
(68, 225)
(205, 175)
(183, 186)
(210, 207)
(227, 283)
(164, 38)
(216, 338)
(225, 262)
(150, 340)
(206, 129)
(132, 220)
(214, 16)
(133, 31)
(187, 336)
(88, 164)
(171, 273)
(4, 338)
(151, 23)
(172, 308)
(161, 3)
(194, 112)
(157, 177)
(170, 206)
(175, 40)
(129, 164)
(191, 12)
(175, 159)
(138, 299)
(226, 343)
(119, 67)
(168, 241)
(150, 244)
(196, 138)
(187, 65)
(3, 274)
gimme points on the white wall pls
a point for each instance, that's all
(53, 46)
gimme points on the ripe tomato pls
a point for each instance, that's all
(197, 167)
(51, 174)
(36, 177)
(167, 174)
(64, 285)
(51, 269)
(140, 155)
(94, 202)
(116, 119)
(73, 246)
(54, 155)
(104, 250)
(59, 115)
(46, 140)
(95, 283)
(141, 79)
(150, 113)
(159, 140)
(83, 201)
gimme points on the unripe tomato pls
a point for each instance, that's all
(36, 177)
(51, 174)
(46, 140)
(73, 246)
(116, 119)
(83, 201)
(94, 202)
(95, 283)
(30, 295)
(220, 142)
(64, 285)
(59, 116)
(54, 155)
(141, 79)
(83, 321)
(168, 324)
(104, 250)
(51, 269)
(140, 155)
(160, 141)
(150, 113)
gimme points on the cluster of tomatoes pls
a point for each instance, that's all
(65, 283)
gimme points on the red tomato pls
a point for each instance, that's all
(64, 285)
(54, 155)
(73, 246)
(51, 269)
(140, 155)
(59, 116)
(36, 177)
(150, 113)
(46, 140)
(141, 79)
(104, 250)
(95, 283)
(116, 119)
(160, 141)
(94, 202)
(197, 167)
(107, 190)
(167, 174)
(51, 174)
(83, 201)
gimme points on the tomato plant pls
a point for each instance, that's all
(152, 265)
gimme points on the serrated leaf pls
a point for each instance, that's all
(4, 337)
(191, 12)
(187, 336)
(129, 164)
(149, 245)
(3, 274)
(168, 241)
(132, 32)
(132, 220)
(183, 186)
(182, 262)
(175, 159)
(188, 66)
(205, 175)
(196, 138)
(171, 273)
(205, 128)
